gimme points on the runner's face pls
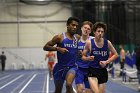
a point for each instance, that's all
(72, 27)
(99, 33)
(86, 29)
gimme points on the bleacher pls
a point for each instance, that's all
(129, 72)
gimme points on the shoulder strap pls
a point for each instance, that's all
(64, 34)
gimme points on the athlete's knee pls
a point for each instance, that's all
(95, 91)
(80, 91)
(58, 89)
(69, 84)
(69, 89)
(87, 91)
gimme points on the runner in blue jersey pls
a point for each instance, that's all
(65, 68)
(81, 75)
(98, 47)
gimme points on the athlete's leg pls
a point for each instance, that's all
(102, 88)
(58, 86)
(79, 88)
(87, 86)
(93, 81)
(58, 78)
(87, 90)
(49, 68)
(102, 80)
(69, 80)
(79, 80)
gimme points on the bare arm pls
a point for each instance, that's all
(113, 50)
(49, 46)
(86, 50)
(114, 56)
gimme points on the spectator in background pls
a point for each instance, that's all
(128, 54)
(122, 58)
(51, 59)
(3, 60)
(138, 64)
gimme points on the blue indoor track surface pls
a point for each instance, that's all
(37, 81)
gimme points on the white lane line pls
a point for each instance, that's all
(47, 85)
(74, 90)
(45, 82)
(5, 77)
(27, 83)
(11, 82)
(21, 83)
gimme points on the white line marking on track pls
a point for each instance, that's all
(27, 84)
(44, 84)
(47, 85)
(5, 77)
(74, 90)
(21, 83)
(11, 82)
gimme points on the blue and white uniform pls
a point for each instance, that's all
(100, 54)
(66, 61)
(81, 75)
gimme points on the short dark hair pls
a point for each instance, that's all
(70, 19)
(98, 25)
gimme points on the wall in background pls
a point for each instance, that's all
(25, 58)
(24, 25)
(24, 30)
